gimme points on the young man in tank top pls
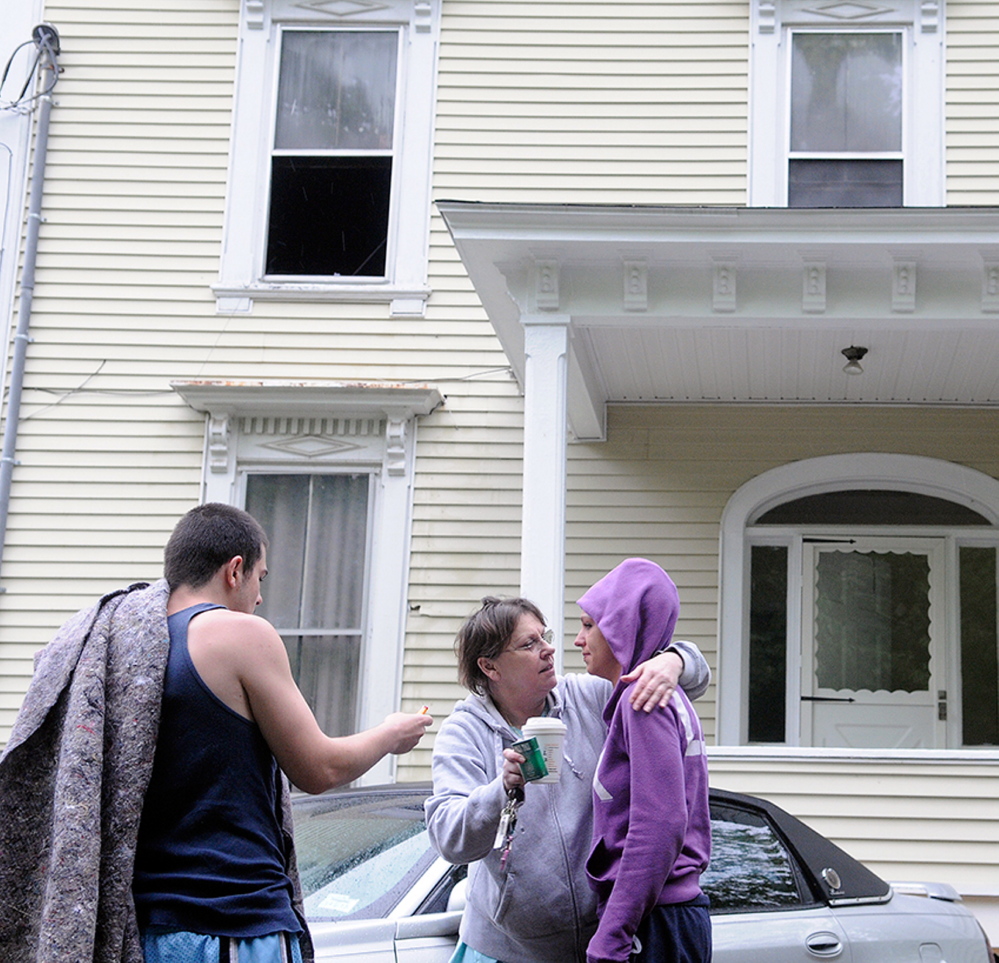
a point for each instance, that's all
(211, 882)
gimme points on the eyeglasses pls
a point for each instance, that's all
(533, 645)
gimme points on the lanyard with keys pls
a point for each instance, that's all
(508, 823)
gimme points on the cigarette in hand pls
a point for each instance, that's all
(423, 711)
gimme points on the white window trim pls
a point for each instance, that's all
(922, 25)
(405, 285)
(387, 453)
(828, 473)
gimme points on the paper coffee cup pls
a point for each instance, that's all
(550, 734)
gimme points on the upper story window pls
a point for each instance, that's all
(847, 104)
(329, 181)
(845, 120)
(332, 162)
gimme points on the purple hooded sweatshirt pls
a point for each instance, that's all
(651, 822)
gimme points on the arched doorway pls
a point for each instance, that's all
(858, 605)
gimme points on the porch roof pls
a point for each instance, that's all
(750, 305)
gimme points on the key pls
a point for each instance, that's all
(508, 823)
(507, 819)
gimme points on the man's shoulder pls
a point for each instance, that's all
(237, 639)
(226, 620)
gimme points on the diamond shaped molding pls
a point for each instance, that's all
(310, 446)
(341, 8)
(846, 10)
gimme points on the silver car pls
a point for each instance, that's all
(780, 892)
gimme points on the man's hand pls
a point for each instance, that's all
(406, 729)
(657, 680)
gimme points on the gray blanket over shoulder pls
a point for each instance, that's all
(72, 781)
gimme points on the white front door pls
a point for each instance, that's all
(872, 668)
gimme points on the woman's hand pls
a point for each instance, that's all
(657, 680)
(512, 777)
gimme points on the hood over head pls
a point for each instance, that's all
(635, 606)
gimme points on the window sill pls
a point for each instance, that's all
(238, 299)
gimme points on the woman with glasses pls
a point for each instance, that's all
(528, 899)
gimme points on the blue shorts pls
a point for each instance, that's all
(678, 932)
(170, 946)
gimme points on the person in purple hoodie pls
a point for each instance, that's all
(651, 822)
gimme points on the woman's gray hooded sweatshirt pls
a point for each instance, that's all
(539, 908)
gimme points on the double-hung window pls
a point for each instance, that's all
(845, 120)
(846, 105)
(329, 177)
(332, 162)
(327, 469)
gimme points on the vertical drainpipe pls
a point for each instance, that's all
(47, 40)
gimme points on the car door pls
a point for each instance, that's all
(430, 938)
(762, 908)
(782, 936)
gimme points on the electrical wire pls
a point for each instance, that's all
(22, 102)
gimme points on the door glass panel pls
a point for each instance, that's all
(768, 643)
(979, 660)
(872, 625)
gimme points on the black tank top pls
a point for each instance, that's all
(210, 856)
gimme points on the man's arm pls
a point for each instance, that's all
(242, 658)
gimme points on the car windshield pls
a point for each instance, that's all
(359, 855)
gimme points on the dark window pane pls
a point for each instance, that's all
(750, 868)
(767, 643)
(979, 658)
(844, 183)
(328, 216)
(871, 507)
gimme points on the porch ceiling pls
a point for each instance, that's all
(744, 304)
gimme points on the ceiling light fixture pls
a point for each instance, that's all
(853, 355)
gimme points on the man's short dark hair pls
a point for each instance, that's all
(205, 539)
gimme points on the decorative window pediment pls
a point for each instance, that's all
(846, 104)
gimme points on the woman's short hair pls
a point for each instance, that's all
(206, 538)
(484, 635)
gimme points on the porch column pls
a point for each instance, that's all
(542, 543)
